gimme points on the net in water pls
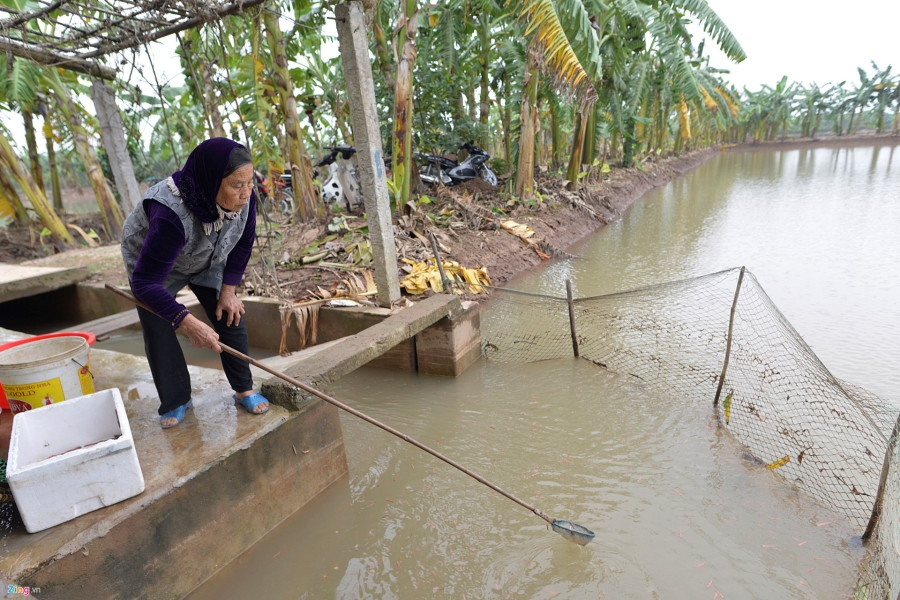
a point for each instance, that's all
(719, 339)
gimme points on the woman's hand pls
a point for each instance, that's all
(229, 304)
(200, 334)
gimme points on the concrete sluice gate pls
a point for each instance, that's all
(223, 478)
(719, 340)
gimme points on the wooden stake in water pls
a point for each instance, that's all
(737, 292)
(572, 316)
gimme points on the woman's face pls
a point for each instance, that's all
(235, 190)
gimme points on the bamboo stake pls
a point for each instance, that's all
(571, 316)
(440, 263)
(737, 292)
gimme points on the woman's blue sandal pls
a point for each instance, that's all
(251, 402)
(176, 413)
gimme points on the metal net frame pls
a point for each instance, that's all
(719, 339)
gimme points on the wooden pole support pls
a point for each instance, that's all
(737, 292)
(571, 303)
(440, 263)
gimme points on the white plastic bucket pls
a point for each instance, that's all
(46, 369)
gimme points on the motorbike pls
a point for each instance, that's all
(278, 203)
(341, 186)
(446, 171)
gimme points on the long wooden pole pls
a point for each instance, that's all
(364, 417)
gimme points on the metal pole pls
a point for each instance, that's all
(571, 316)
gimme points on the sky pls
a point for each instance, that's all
(810, 41)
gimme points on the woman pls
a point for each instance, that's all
(195, 228)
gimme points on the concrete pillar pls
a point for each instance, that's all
(451, 345)
(367, 139)
(113, 134)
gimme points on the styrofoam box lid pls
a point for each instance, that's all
(64, 427)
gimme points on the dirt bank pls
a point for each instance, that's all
(470, 230)
(822, 141)
(563, 218)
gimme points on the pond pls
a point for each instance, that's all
(678, 510)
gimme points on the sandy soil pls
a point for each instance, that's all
(462, 218)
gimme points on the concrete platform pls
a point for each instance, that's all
(215, 484)
(18, 281)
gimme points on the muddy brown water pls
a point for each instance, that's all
(678, 510)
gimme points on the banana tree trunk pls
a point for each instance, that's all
(11, 206)
(54, 170)
(301, 169)
(403, 101)
(484, 59)
(896, 128)
(555, 136)
(506, 121)
(628, 142)
(340, 120)
(383, 56)
(470, 101)
(528, 124)
(112, 215)
(202, 80)
(208, 96)
(20, 175)
(577, 146)
(879, 115)
(662, 140)
(31, 143)
(589, 151)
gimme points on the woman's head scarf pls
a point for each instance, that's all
(199, 180)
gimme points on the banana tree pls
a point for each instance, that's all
(18, 173)
(320, 82)
(405, 52)
(861, 98)
(895, 98)
(883, 89)
(810, 100)
(564, 42)
(528, 117)
(198, 62)
(110, 211)
(841, 103)
(301, 170)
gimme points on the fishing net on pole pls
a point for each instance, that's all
(718, 339)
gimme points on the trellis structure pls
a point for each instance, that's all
(79, 35)
(83, 36)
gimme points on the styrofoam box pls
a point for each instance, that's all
(71, 458)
